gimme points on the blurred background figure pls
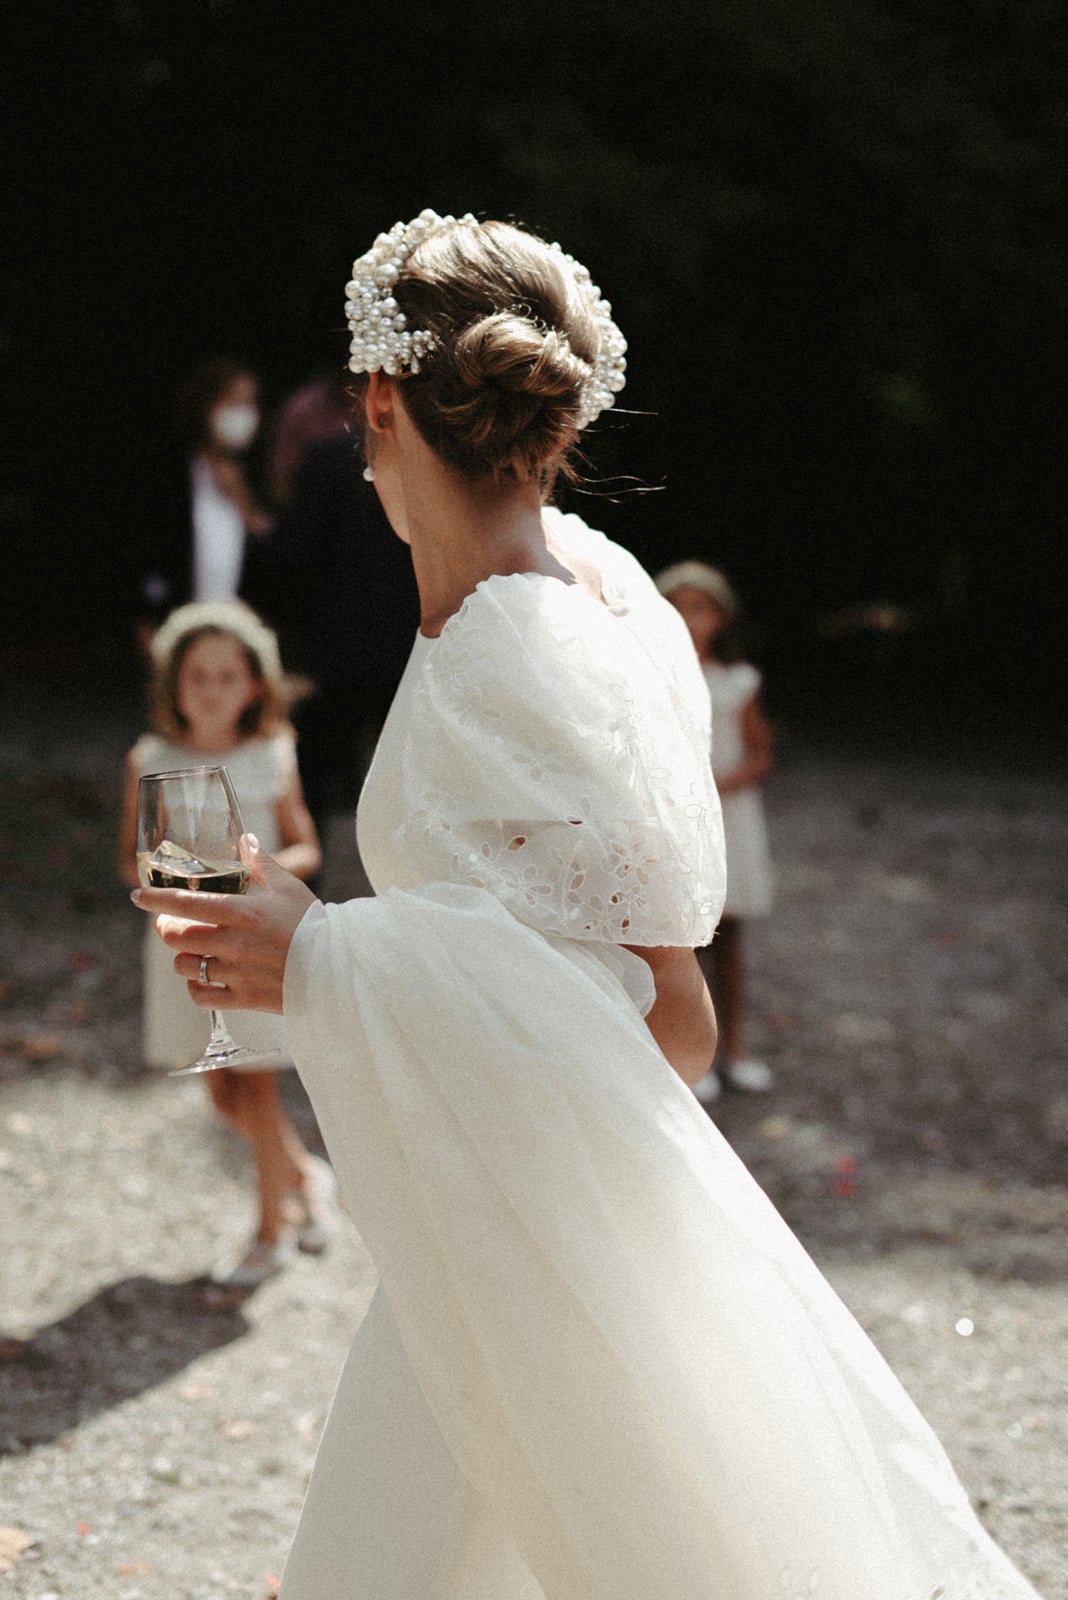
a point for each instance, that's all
(741, 760)
(218, 696)
(320, 409)
(204, 531)
(348, 614)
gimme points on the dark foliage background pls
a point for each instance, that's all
(832, 230)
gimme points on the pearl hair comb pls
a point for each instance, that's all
(383, 342)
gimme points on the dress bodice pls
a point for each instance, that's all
(553, 749)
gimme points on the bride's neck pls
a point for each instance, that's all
(461, 530)
(462, 533)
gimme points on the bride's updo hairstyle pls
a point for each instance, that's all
(514, 351)
(502, 390)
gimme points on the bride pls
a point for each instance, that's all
(598, 1366)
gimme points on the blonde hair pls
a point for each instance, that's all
(228, 619)
(501, 392)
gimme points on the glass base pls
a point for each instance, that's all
(238, 1060)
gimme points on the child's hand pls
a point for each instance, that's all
(242, 940)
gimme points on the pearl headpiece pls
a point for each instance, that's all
(383, 342)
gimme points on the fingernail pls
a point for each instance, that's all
(135, 896)
(253, 841)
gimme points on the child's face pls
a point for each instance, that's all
(704, 618)
(215, 687)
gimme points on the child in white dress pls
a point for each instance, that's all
(217, 699)
(741, 760)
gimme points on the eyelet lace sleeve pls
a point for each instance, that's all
(553, 758)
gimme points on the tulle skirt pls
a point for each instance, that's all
(598, 1365)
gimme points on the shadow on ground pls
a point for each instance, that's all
(129, 1337)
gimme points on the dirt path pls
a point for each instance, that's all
(909, 991)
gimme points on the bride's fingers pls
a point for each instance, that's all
(180, 933)
(206, 938)
(222, 910)
(245, 941)
(229, 985)
(203, 971)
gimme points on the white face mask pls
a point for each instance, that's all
(234, 427)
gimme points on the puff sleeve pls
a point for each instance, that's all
(550, 760)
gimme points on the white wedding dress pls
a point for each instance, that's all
(598, 1365)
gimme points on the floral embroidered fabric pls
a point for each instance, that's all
(556, 754)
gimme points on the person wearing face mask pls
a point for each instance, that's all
(209, 536)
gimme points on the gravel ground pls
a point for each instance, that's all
(909, 991)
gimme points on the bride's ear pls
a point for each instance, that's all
(379, 401)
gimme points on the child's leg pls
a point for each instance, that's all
(274, 1141)
(233, 1103)
(728, 964)
(313, 1188)
(728, 976)
(252, 1104)
(708, 1090)
(224, 1087)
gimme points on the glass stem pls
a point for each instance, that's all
(221, 1043)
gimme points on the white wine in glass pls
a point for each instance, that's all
(189, 837)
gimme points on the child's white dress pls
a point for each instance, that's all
(174, 1030)
(730, 688)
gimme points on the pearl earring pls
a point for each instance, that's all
(369, 444)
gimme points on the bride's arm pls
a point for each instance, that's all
(682, 1019)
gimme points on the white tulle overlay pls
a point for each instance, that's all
(598, 1365)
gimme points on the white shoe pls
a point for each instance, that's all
(230, 1283)
(709, 1089)
(752, 1077)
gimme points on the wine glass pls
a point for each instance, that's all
(189, 837)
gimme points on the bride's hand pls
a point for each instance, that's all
(245, 938)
